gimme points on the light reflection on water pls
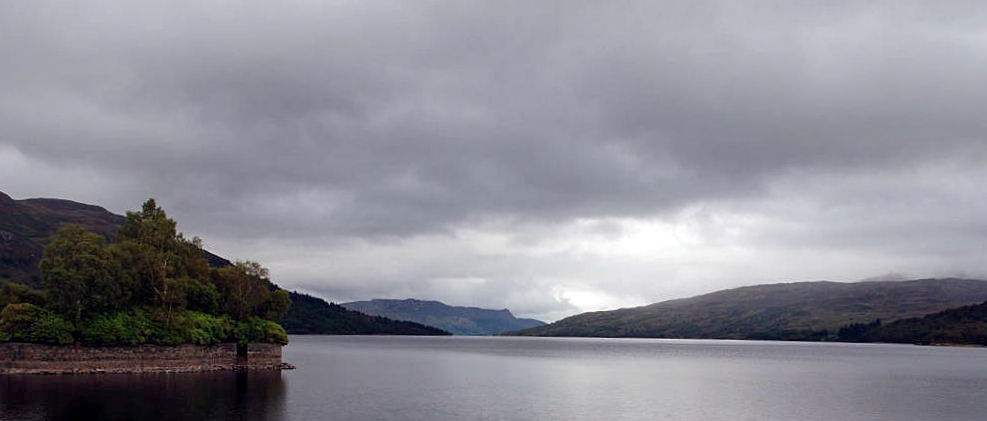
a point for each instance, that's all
(459, 378)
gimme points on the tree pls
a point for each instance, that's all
(276, 306)
(162, 258)
(244, 288)
(200, 296)
(78, 274)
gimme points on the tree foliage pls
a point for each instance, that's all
(13, 293)
(161, 256)
(244, 288)
(78, 274)
(961, 325)
(276, 306)
(24, 322)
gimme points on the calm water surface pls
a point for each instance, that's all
(466, 378)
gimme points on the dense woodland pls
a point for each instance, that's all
(149, 286)
(963, 325)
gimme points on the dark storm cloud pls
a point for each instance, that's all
(378, 120)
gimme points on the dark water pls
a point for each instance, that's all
(463, 378)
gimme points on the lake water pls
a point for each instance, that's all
(482, 378)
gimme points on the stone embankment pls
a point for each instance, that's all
(22, 358)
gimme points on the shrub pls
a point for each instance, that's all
(256, 329)
(139, 325)
(25, 322)
(129, 327)
(16, 319)
(206, 329)
(13, 293)
(187, 327)
(49, 328)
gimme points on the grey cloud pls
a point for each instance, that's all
(390, 120)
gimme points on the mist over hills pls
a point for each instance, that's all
(455, 319)
(787, 311)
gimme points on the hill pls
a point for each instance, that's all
(963, 325)
(458, 320)
(788, 311)
(26, 226)
(313, 315)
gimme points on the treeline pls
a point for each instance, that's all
(965, 325)
(152, 285)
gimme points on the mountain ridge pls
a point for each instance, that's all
(793, 310)
(459, 320)
(317, 316)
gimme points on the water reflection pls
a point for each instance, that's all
(254, 395)
(537, 379)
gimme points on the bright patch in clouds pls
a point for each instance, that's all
(545, 159)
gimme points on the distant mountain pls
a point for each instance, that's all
(27, 225)
(311, 315)
(962, 325)
(458, 320)
(789, 311)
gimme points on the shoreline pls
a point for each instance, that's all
(28, 358)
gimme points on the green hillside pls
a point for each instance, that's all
(788, 311)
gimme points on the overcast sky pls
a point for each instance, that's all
(548, 157)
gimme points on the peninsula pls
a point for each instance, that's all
(146, 300)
